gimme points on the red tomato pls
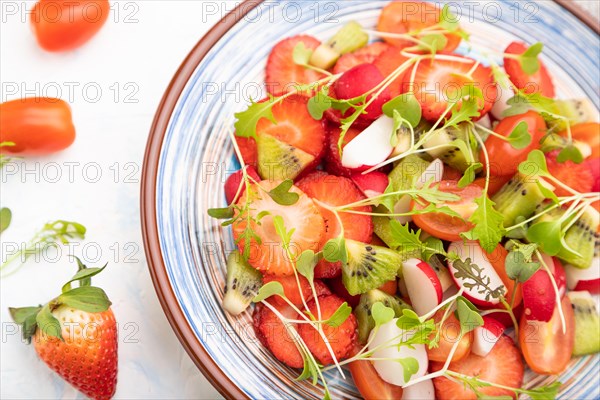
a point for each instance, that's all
(61, 25)
(588, 132)
(370, 385)
(36, 126)
(547, 350)
(444, 226)
(504, 159)
(497, 258)
(409, 16)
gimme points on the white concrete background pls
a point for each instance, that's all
(131, 62)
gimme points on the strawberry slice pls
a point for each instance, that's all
(387, 62)
(282, 73)
(577, 176)
(266, 247)
(503, 365)
(539, 82)
(248, 150)
(336, 191)
(292, 289)
(273, 334)
(367, 54)
(296, 127)
(341, 338)
(439, 80)
(235, 181)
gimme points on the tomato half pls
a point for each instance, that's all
(444, 226)
(588, 132)
(61, 25)
(547, 350)
(36, 126)
(504, 159)
(409, 16)
(369, 383)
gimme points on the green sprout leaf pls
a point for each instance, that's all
(467, 315)
(267, 290)
(410, 366)
(529, 59)
(433, 43)
(571, 153)
(469, 175)
(520, 138)
(335, 250)
(284, 234)
(301, 55)
(408, 320)
(381, 314)
(281, 194)
(518, 268)
(340, 315)
(448, 20)
(306, 264)
(547, 193)
(5, 218)
(407, 106)
(548, 236)
(535, 164)
(221, 213)
(318, 104)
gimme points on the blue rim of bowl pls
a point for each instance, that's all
(150, 233)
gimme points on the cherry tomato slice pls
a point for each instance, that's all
(65, 25)
(505, 159)
(36, 126)
(547, 350)
(370, 385)
(587, 132)
(444, 226)
(449, 334)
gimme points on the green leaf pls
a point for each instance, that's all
(535, 164)
(26, 317)
(545, 392)
(571, 153)
(335, 250)
(48, 323)
(84, 275)
(410, 366)
(340, 315)
(433, 43)
(301, 55)
(448, 20)
(285, 235)
(547, 193)
(404, 238)
(408, 320)
(221, 213)
(86, 298)
(381, 314)
(318, 104)
(548, 236)
(469, 318)
(407, 106)
(245, 124)
(5, 218)
(520, 138)
(436, 245)
(469, 175)
(281, 194)
(306, 264)
(529, 59)
(310, 370)
(488, 224)
(267, 290)
(518, 268)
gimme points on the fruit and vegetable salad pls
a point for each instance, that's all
(424, 222)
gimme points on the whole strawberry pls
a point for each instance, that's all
(75, 334)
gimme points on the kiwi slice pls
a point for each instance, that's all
(363, 310)
(243, 283)
(554, 141)
(519, 197)
(575, 110)
(583, 240)
(351, 37)
(450, 155)
(368, 266)
(278, 160)
(587, 323)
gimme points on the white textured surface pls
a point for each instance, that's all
(142, 47)
(146, 53)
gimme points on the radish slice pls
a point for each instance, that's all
(419, 391)
(423, 285)
(485, 121)
(371, 146)
(433, 173)
(486, 336)
(472, 250)
(500, 105)
(391, 370)
(584, 279)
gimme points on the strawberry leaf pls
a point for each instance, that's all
(49, 325)
(86, 298)
(26, 317)
(340, 315)
(84, 276)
